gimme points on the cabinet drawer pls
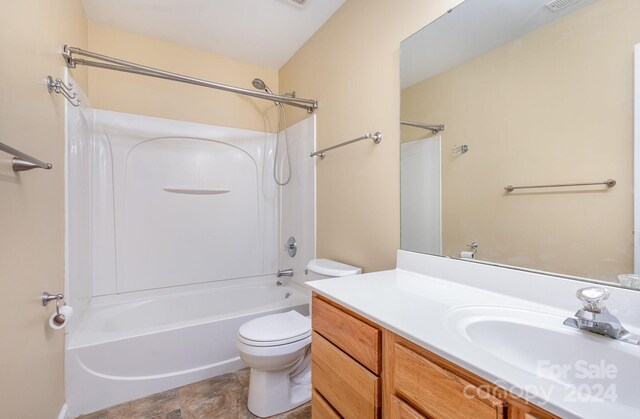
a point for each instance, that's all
(438, 392)
(401, 410)
(358, 339)
(351, 389)
(320, 408)
(517, 411)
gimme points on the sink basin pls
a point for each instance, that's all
(573, 363)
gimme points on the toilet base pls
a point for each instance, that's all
(275, 392)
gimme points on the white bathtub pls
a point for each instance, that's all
(124, 350)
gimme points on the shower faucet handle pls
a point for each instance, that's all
(291, 246)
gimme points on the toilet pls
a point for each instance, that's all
(277, 348)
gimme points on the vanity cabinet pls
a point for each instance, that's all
(346, 354)
(361, 370)
(429, 387)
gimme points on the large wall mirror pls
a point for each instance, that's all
(533, 94)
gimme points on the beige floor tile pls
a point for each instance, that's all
(243, 377)
(223, 406)
(223, 397)
(148, 407)
(176, 414)
(102, 414)
(201, 391)
(302, 412)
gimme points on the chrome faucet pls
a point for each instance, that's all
(594, 316)
(284, 272)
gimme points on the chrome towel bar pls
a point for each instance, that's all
(377, 137)
(22, 161)
(609, 182)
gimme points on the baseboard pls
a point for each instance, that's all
(64, 412)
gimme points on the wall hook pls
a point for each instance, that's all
(66, 90)
(459, 149)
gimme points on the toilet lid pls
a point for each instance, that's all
(332, 268)
(275, 328)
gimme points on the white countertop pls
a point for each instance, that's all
(419, 307)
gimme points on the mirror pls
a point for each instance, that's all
(531, 93)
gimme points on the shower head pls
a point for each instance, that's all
(260, 85)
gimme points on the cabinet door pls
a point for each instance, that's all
(438, 392)
(351, 389)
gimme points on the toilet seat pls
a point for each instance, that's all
(283, 342)
(275, 329)
(273, 351)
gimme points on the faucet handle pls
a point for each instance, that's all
(593, 298)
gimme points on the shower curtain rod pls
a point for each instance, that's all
(111, 63)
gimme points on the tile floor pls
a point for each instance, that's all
(219, 397)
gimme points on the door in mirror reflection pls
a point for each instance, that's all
(421, 219)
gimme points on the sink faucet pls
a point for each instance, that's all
(594, 316)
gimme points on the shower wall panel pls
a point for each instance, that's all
(298, 198)
(79, 150)
(177, 203)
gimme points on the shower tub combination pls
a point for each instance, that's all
(173, 242)
(127, 350)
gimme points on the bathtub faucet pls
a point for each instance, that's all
(284, 272)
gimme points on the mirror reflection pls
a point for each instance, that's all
(533, 166)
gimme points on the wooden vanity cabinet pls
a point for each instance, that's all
(437, 388)
(346, 354)
(360, 370)
(432, 389)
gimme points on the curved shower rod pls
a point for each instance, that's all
(111, 63)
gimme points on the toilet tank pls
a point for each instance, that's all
(325, 268)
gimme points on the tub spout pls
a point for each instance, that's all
(284, 272)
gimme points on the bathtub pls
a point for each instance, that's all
(124, 348)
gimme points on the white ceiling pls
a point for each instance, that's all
(263, 32)
(470, 29)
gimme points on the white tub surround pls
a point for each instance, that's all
(505, 326)
(197, 200)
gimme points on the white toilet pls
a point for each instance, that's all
(277, 348)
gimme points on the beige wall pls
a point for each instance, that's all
(32, 203)
(554, 106)
(351, 65)
(132, 93)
